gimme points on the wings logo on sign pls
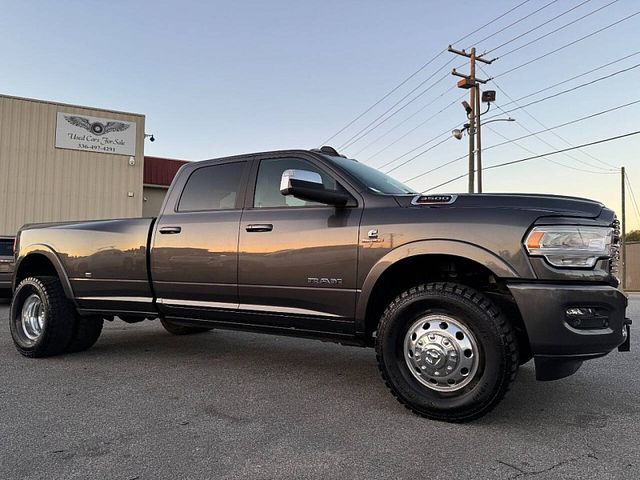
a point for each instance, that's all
(96, 128)
(78, 132)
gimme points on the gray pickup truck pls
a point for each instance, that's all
(453, 291)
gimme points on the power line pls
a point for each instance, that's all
(536, 27)
(512, 110)
(404, 121)
(420, 69)
(512, 162)
(371, 125)
(582, 85)
(446, 132)
(561, 27)
(575, 77)
(571, 122)
(567, 45)
(549, 159)
(440, 53)
(539, 100)
(596, 142)
(567, 142)
(359, 135)
(525, 17)
(418, 126)
(387, 95)
(362, 133)
(491, 22)
(380, 120)
(442, 165)
(553, 132)
(509, 111)
(421, 153)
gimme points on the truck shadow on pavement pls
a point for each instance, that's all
(314, 371)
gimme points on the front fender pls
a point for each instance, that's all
(48, 252)
(498, 266)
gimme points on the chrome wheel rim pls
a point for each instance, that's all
(32, 317)
(441, 353)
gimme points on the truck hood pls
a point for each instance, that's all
(545, 204)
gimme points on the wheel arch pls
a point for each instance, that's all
(41, 259)
(402, 266)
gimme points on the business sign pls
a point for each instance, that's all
(93, 134)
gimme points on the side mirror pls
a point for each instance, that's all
(307, 185)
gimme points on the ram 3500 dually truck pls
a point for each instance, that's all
(453, 291)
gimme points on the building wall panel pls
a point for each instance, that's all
(153, 199)
(633, 267)
(42, 183)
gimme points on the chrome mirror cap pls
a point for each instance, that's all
(300, 175)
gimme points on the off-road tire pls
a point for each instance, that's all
(60, 317)
(88, 330)
(176, 329)
(497, 344)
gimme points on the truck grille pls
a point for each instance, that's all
(614, 264)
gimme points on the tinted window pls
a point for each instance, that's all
(268, 183)
(6, 248)
(212, 188)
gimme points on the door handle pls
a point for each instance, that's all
(170, 230)
(259, 227)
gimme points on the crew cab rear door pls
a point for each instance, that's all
(194, 259)
(297, 259)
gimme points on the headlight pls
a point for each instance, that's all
(570, 246)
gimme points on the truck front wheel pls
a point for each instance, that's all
(446, 352)
(176, 329)
(42, 320)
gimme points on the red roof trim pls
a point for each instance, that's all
(160, 171)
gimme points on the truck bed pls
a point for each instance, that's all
(105, 256)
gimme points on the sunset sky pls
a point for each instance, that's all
(219, 78)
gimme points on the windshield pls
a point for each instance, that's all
(375, 180)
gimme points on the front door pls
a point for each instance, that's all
(297, 259)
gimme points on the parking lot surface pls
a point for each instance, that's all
(143, 404)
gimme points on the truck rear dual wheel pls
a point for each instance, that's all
(88, 330)
(43, 322)
(446, 352)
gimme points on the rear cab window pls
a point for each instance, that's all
(214, 187)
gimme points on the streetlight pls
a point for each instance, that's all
(458, 133)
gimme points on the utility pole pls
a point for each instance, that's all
(479, 140)
(472, 115)
(471, 83)
(623, 233)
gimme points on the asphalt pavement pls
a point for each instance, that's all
(143, 404)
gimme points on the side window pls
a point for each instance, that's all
(212, 188)
(267, 192)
